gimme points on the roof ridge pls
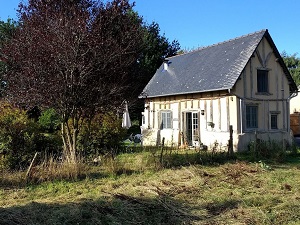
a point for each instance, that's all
(219, 43)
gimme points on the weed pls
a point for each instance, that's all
(56, 169)
(271, 150)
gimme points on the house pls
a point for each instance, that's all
(194, 98)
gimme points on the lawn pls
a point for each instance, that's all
(134, 189)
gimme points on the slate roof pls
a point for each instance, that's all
(213, 68)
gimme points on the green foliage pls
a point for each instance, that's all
(104, 134)
(6, 31)
(293, 64)
(156, 48)
(270, 150)
(49, 120)
(264, 166)
(19, 137)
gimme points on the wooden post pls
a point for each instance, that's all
(162, 150)
(255, 144)
(31, 164)
(230, 142)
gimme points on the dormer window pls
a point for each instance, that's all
(166, 64)
(262, 81)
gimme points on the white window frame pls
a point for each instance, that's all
(166, 119)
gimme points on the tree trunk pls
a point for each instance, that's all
(69, 136)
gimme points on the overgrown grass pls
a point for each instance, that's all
(182, 187)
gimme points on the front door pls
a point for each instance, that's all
(192, 128)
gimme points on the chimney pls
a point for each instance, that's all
(166, 64)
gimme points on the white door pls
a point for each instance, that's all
(192, 128)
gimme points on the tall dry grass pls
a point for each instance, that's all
(56, 169)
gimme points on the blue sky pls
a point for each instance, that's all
(198, 23)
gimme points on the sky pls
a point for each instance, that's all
(199, 23)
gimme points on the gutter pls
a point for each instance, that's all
(180, 93)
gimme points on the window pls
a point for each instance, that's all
(274, 122)
(262, 81)
(251, 116)
(166, 120)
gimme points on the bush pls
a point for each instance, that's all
(103, 135)
(49, 121)
(20, 138)
(272, 150)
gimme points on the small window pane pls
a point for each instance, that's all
(166, 120)
(274, 122)
(251, 116)
(262, 81)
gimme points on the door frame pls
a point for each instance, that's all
(191, 127)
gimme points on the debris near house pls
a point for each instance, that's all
(97, 161)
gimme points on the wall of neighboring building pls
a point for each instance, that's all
(295, 115)
(295, 104)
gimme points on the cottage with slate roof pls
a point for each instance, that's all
(194, 98)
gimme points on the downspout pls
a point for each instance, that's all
(241, 116)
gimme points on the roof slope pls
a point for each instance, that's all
(216, 67)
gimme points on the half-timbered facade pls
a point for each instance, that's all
(194, 98)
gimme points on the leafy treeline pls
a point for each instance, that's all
(6, 32)
(80, 58)
(293, 64)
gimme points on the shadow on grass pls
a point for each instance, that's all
(18, 180)
(113, 209)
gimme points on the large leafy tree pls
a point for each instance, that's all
(293, 64)
(154, 49)
(74, 56)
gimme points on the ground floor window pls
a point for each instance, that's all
(252, 116)
(166, 120)
(274, 121)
